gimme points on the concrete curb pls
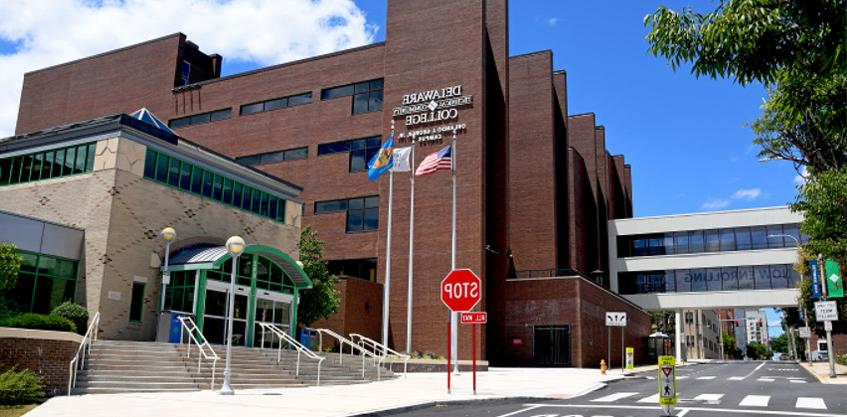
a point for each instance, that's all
(428, 404)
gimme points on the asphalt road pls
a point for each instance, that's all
(751, 388)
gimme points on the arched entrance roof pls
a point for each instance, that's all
(213, 257)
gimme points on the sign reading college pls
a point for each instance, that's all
(461, 290)
(440, 107)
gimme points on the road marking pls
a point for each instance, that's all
(798, 381)
(529, 407)
(614, 397)
(651, 377)
(679, 378)
(754, 371)
(705, 377)
(708, 397)
(736, 378)
(731, 411)
(765, 380)
(755, 401)
(651, 399)
(810, 402)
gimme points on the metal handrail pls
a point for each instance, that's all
(291, 342)
(83, 349)
(192, 329)
(343, 340)
(385, 352)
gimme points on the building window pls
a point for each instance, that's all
(136, 303)
(273, 157)
(713, 240)
(361, 151)
(78, 159)
(712, 279)
(367, 95)
(362, 212)
(356, 268)
(276, 103)
(44, 282)
(200, 181)
(179, 295)
(201, 118)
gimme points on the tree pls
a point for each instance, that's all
(757, 350)
(796, 49)
(10, 264)
(322, 300)
(728, 342)
(780, 343)
(808, 303)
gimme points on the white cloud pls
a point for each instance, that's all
(552, 21)
(800, 178)
(49, 32)
(715, 204)
(748, 194)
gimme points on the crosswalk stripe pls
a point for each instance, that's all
(651, 399)
(810, 402)
(705, 377)
(798, 381)
(765, 380)
(708, 397)
(614, 397)
(681, 377)
(755, 401)
(736, 378)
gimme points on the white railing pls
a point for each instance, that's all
(341, 342)
(377, 347)
(291, 342)
(206, 351)
(78, 362)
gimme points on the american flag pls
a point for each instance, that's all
(435, 162)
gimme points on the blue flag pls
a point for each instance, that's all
(816, 283)
(382, 161)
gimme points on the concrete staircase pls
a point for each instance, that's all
(127, 366)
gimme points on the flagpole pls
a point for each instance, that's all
(454, 327)
(411, 250)
(387, 289)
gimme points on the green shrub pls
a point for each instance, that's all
(841, 360)
(22, 387)
(39, 321)
(75, 313)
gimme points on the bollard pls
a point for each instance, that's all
(603, 366)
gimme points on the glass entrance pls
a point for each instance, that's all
(214, 317)
(273, 310)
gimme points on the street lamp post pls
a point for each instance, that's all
(235, 247)
(168, 234)
(802, 304)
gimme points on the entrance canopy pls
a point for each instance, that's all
(201, 257)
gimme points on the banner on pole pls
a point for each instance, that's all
(834, 280)
(816, 283)
(630, 358)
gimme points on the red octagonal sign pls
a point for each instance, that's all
(461, 290)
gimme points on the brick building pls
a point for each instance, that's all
(536, 186)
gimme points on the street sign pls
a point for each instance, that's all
(667, 383)
(615, 319)
(826, 311)
(834, 281)
(474, 317)
(630, 358)
(827, 326)
(461, 290)
(805, 332)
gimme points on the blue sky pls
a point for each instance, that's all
(686, 138)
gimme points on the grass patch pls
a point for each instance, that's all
(16, 410)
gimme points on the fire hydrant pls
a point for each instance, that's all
(603, 366)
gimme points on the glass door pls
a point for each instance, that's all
(214, 317)
(271, 308)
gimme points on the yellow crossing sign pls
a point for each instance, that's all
(667, 383)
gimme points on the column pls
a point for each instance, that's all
(678, 335)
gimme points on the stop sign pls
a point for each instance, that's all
(461, 290)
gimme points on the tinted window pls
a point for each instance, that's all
(252, 108)
(759, 236)
(300, 99)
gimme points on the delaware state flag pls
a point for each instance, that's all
(382, 161)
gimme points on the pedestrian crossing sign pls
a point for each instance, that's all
(667, 381)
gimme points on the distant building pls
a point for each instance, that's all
(757, 327)
(702, 334)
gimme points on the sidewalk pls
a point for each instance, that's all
(336, 400)
(821, 371)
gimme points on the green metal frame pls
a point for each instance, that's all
(36, 275)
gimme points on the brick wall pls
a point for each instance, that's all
(360, 310)
(47, 358)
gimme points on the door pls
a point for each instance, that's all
(551, 346)
(271, 308)
(214, 316)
